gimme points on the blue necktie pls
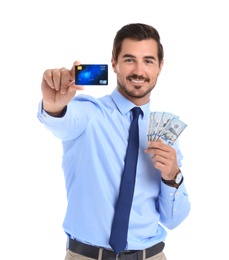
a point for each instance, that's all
(118, 237)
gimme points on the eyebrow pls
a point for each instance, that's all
(132, 56)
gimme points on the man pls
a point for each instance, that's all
(94, 134)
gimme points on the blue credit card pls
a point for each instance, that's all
(91, 74)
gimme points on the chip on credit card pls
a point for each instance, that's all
(91, 74)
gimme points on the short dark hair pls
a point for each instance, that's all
(137, 31)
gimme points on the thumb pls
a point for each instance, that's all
(72, 87)
(75, 63)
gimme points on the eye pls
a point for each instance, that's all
(149, 61)
(129, 60)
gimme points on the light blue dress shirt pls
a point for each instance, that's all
(94, 134)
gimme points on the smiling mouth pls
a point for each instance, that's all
(137, 81)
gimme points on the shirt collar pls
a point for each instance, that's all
(124, 105)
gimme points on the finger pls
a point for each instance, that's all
(71, 85)
(149, 150)
(68, 80)
(47, 77)
(159, 159)
(159, 145)
(65, 78)
(75, 63)
(56, 76)
(154, 144)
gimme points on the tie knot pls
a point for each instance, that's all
(136, 111)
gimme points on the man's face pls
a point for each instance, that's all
(137, 69)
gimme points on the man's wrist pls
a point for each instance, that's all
(60, 113)
(176, 182)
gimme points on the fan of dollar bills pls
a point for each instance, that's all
(164, 127)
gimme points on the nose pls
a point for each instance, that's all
(138, 68)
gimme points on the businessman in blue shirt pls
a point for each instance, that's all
(94, 135)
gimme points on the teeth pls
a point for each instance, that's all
(138, 81)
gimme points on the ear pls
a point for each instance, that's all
(113, 63)
(161, 65)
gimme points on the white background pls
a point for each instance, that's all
(37, 35)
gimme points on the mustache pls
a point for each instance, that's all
(137, 77)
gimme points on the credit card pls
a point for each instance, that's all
(91, 74)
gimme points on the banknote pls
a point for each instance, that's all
(164, 127)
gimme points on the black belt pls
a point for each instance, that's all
(93, 251)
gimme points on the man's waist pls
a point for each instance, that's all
(94, 251)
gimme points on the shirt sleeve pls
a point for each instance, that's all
(78, 114)
(174, 205)
(54, 124)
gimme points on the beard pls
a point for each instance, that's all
(132, 93)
